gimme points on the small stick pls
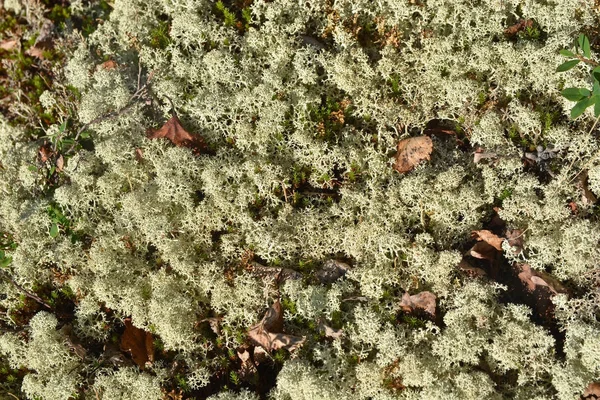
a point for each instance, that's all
(25, 292)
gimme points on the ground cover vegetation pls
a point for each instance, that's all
(252, 199)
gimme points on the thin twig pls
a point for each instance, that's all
(13, 395)
(587, 60)
(26, 292)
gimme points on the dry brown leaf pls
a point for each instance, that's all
(518, 27)
(488, 237)
(331, 271)
(267, 333)
(176, 133)
(248, 368)
(36, 52)
(424, 301)
(214, 323)
(515, 239)
(139, 343)
(9, 44)
(280, 274)
(60, 163)
(139, 155)
(333, 333)
(470, 270)
(411, 152)
(533, 279)
(483, 251)
(45, 152)
(477, 157)
(587, 197)
(108, 65)
(592, 391)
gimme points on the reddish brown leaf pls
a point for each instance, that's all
(139, 343)
(108, 65)
(592, 391)
(175, 132)
(45, 152)
(518, 27)
(36, 52)
(411, 152)
(488, 237)
(248, 369)
(424, 301)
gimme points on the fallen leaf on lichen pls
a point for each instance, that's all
(489, 238)
(268, 332)
(176, 133)
(331, 271)
(411, 152)
(8, 44)
(518, 27)
(483, 251)
(534, 279)
(470, 270)
(424, 301)
(139, 343)
(592, 391)
(515, 239)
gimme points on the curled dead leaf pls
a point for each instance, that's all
(267, 333)
(470, 270)
(139, 343)
(534, 279)
(488, 237)
(424, 301)
(139, 155)
(45, 152)
(60, 163)
(411, 152)
(331, 271)
(279, 274)
(248, 368)
(483, 251)
(176, 133)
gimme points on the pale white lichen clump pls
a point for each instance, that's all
(157, 232)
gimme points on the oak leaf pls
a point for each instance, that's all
(139, 343)
(488, 237)
(176, 133)
(424, 301)
(411, 152)
(592, 391)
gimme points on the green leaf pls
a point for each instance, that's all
(2, 254)
(596, 74)
(567, 53)
(567, 65)
(596, 105)
(584, 44)
(63, 126)
(575, 94)
(596, 89)
(54, 230)
(580, 107)
(5, 262)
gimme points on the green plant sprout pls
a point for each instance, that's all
(584, 97)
